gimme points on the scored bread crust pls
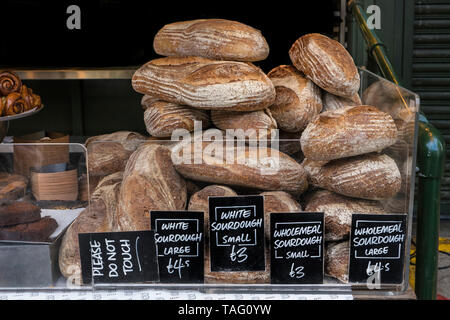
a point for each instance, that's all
(218, 39)
(298, 99)
(327, 63)
(347, 132)
(205, 84)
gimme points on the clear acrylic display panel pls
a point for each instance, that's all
(403, 106)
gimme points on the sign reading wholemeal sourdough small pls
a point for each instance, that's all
(237, 233)
(118, 257)
(377, 248)
(179, 242)
(296, 248)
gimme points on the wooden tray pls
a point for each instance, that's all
(55, 186)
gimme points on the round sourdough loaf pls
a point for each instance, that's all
(217, 39)
(109, 153)
(371, 176)
(298, 99)
(205, 84)
(327, 63)
(338, 212)
(162, 118)
(258, 123)
(337, 260)
(332, 102)
(347, 132)
(260, 168)
(150, 182)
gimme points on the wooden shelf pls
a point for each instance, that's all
(76, 74)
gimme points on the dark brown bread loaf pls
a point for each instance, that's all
(109, 153)
(298, 99)
(337, 257)
(338, 212)
(205, 84)
(162, 118)
(259, 122)
(18, 212)
(150, 182)
(12, 186)
(347, 132)
(37, 231)
(259, 168)
(327, 63)
(217, 39)
(372, 176)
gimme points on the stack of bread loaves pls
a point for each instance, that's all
(208, 76)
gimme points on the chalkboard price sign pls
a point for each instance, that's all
(296, 248)
(118, 257)
(237, 233)
(179, 237)
(377, 249)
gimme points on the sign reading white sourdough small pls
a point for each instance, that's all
(377, 248)
(180, 244)
(118, 257)
(296, 243)
(237, 233)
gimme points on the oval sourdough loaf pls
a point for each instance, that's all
(205, 84)
(162, 118)
(277, 201)
(371, 176)
(332, 102)
(338, 212)
(111, 179)
(298, 99)
(218, 39)
(327, 63)
(98, 217)
(337, 259)
(258, 122)
(347, 132)
(150, 182)
(199, 200)
(259, 168)
(109, 153)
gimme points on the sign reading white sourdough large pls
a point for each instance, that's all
(377, 248)
(237, 233)
(179, 242)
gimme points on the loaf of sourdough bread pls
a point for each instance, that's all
(327, 63)
(205, 84)
(332, 102)
(347, 132)
(298, 99)
(217, 39)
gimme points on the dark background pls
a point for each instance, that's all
(120, 32)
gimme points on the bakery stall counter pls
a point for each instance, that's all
(39, 199)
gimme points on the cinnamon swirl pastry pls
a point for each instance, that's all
(9, 82)
(15, 104)
(32, 99)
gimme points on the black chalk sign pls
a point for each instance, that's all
(237, 233)
(118, 257)
(377, 249)
(296, 248)
(179, 238)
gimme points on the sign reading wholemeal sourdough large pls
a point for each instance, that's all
(296, 248)
(179, 239)
(118, 257)
(377, 249)
(237, 233)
